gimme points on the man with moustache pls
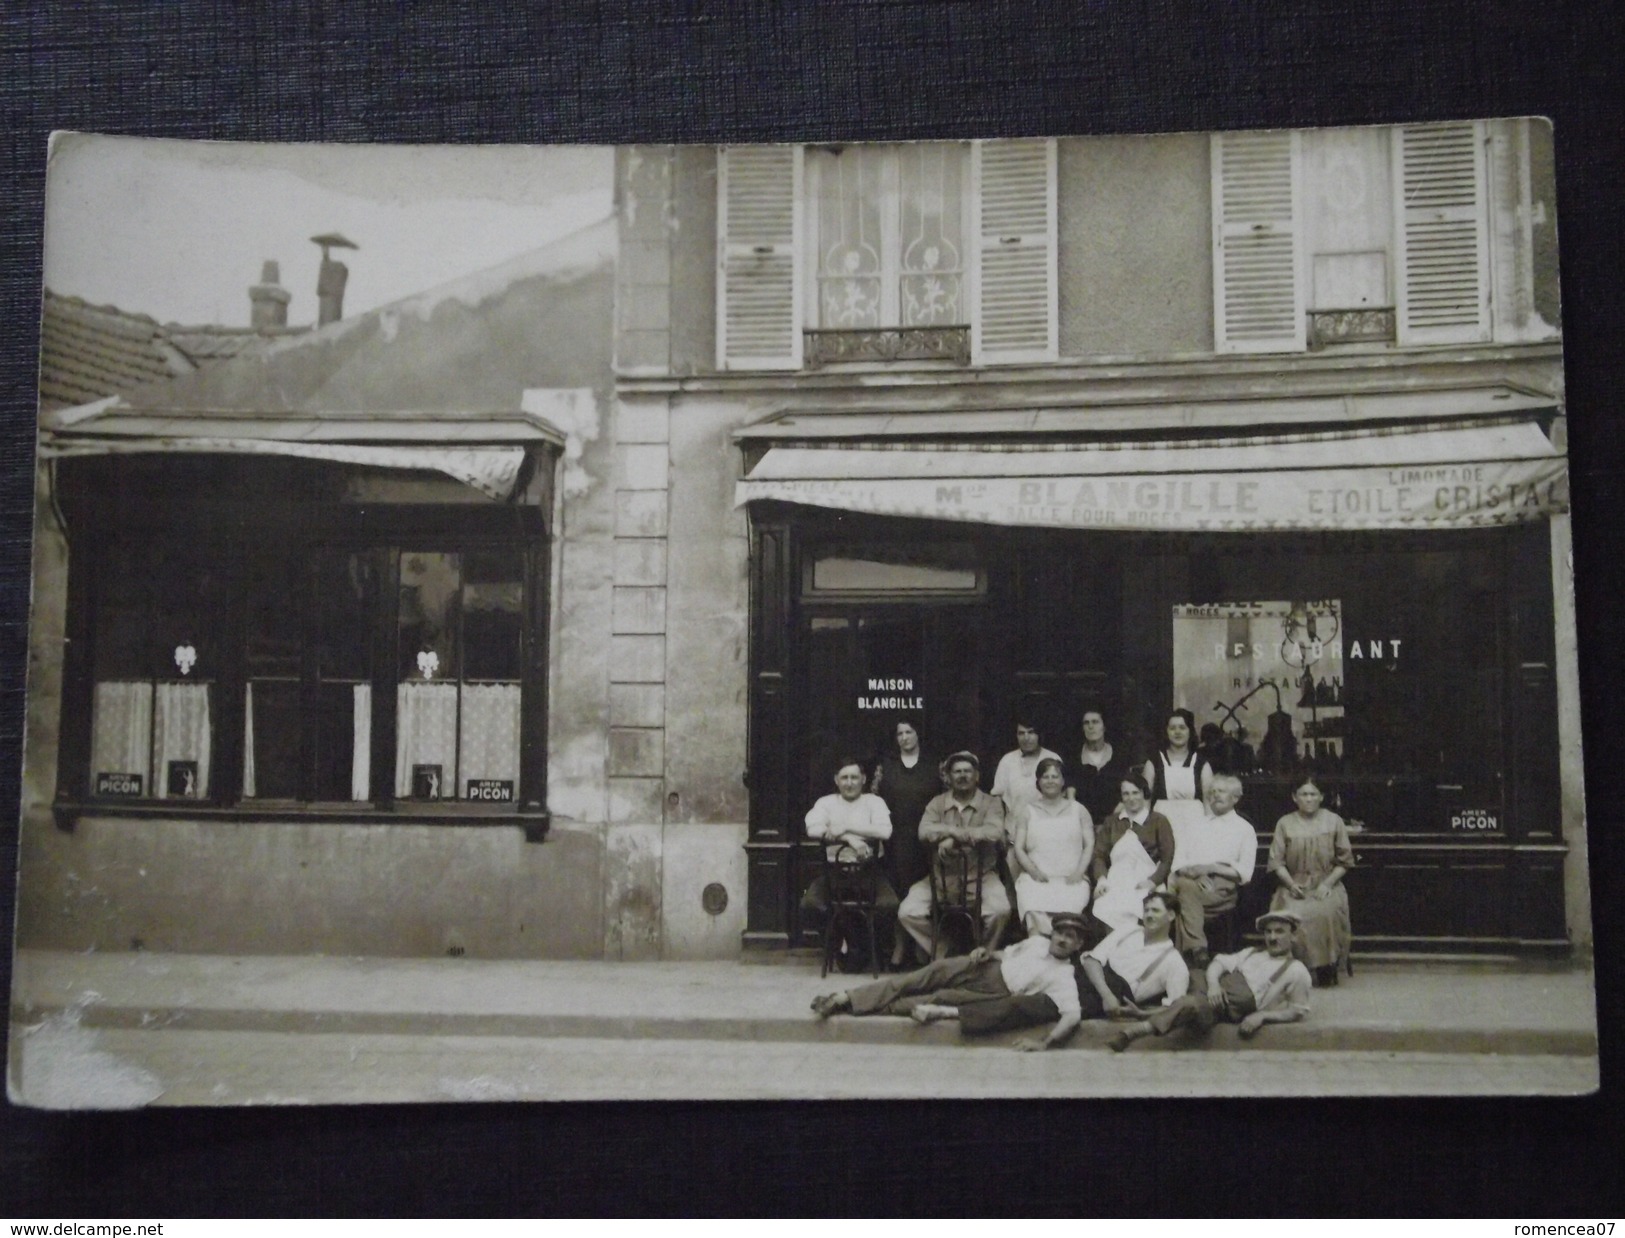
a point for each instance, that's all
(962, 818)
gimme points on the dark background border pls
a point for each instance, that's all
(675, 72)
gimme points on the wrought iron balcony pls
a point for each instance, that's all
(888, 344)
(1368, 325)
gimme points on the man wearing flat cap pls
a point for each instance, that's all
(964, 817)
(1127, 974)
(956, 988)
(1251, 987)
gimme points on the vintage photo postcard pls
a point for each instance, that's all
(1050, 617)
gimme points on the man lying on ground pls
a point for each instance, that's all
(1251, 987)
(949, 987)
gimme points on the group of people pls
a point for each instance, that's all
(1115, 875)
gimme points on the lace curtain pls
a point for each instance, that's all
(426, 733)
(491, 732)
(181, 732)
(139, 728)
(121, 730)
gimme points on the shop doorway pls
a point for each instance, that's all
(868, 666)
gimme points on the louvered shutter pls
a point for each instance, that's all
(1442, 241)
(759, 258)
(1258, 285)
(1015, 231)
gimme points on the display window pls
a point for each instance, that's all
(458, 696)
(305, 654)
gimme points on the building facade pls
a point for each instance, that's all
(1269, 426)
(528, 617)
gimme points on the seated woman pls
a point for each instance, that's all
(1134, 853)
(1309, 854)
(1054, 844)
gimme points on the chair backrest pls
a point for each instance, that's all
(850, 879)
(956, 877)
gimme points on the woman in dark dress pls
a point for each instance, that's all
(1100, 768)
(907, 780)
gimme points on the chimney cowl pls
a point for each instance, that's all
(268, 300)
(331, 278)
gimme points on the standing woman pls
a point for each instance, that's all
(1054, 844)
(907, 780)
(1100, 768)
(1308, 857)
(1178, 771)
(1134, 853)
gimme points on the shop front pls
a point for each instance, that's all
(1372, 602)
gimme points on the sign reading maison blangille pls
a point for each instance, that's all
(890, 702)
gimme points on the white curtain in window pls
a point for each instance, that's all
(121, 729)
(426, 734)
(361, 759)
(181, 733)
(248, 742)
(491, 732)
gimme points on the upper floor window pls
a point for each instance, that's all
(887, 236)
(928, 251)
(1348, 235)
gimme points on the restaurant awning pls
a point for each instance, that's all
(1429, 475)
(486, 452)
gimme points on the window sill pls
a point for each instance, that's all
(534, 823)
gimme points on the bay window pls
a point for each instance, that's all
(296, 650)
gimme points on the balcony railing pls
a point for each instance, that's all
(888, 344)
(1367, 325)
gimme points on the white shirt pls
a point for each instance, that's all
(1216, 840)
(833, 817)
(1257, 967)
(1152, 970)
(1029, 968)
(1016, 778)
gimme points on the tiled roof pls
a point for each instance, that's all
(88, 352)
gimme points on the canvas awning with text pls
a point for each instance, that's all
(1438, 475)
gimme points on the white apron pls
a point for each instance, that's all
(1180, 780)
(1127, 882)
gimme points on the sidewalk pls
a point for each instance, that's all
(1395, 1007)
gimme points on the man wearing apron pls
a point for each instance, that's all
(1250, 988)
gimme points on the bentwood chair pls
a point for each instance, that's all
(852, 884)
(956, 895)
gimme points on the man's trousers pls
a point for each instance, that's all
(946, 982)
(1197, 1013)
(1007, 1014)
(1200, 900)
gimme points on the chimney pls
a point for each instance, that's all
(331, 279)
(268, 300)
